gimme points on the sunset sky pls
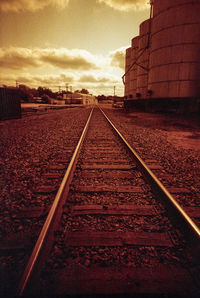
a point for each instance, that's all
(81, 43)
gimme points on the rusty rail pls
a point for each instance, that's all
(57, 204)
(188, 222)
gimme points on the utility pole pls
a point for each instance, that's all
(71, 93)
(66, 87)
(114, 94)
(17, 84)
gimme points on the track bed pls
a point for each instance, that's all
(115, 235)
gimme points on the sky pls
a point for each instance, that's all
(78, 43)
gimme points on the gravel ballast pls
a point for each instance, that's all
(172, 141)
(33, 148)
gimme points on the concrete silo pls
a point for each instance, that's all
(133, 70)
(174, 66)
(127, 76)
(143, 59)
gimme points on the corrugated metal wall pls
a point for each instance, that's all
(174, 58)
(175, 47)
(143, 60)
(10, 107)
(133, 71)
(127, 77)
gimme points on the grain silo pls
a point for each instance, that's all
(127, 76)
(133, 70)
(143, 59)
(175, 46)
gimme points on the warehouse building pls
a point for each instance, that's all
(79, 98)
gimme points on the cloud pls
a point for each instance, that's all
(51, 81)
(90, 78)
(100, 84)
(30, 5)
(34, 5)
(118, 58)
(126, 5)
(106, 89)
(68, 59)
(95, 85)
(23, 58)
(18, 58)
(50, 67)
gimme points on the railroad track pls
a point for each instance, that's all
(113, 228)
(30, 194)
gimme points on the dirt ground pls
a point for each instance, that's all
(182, 131)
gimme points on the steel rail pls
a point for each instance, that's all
(62, 191)
(161, 188)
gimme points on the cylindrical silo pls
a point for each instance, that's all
(143, 60)
(133, 71)
(127, 76)
(175, 47)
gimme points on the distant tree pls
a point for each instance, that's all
(46, 91)
(40, 91)
(101, 97)
(25, 93)
(84, 91)
(45, 98)
(34, 92)
(59, 97)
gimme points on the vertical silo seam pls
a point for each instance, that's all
(143, 60)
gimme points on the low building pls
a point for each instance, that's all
(79, 98)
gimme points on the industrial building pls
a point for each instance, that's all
(162, 66)
(79, 98)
